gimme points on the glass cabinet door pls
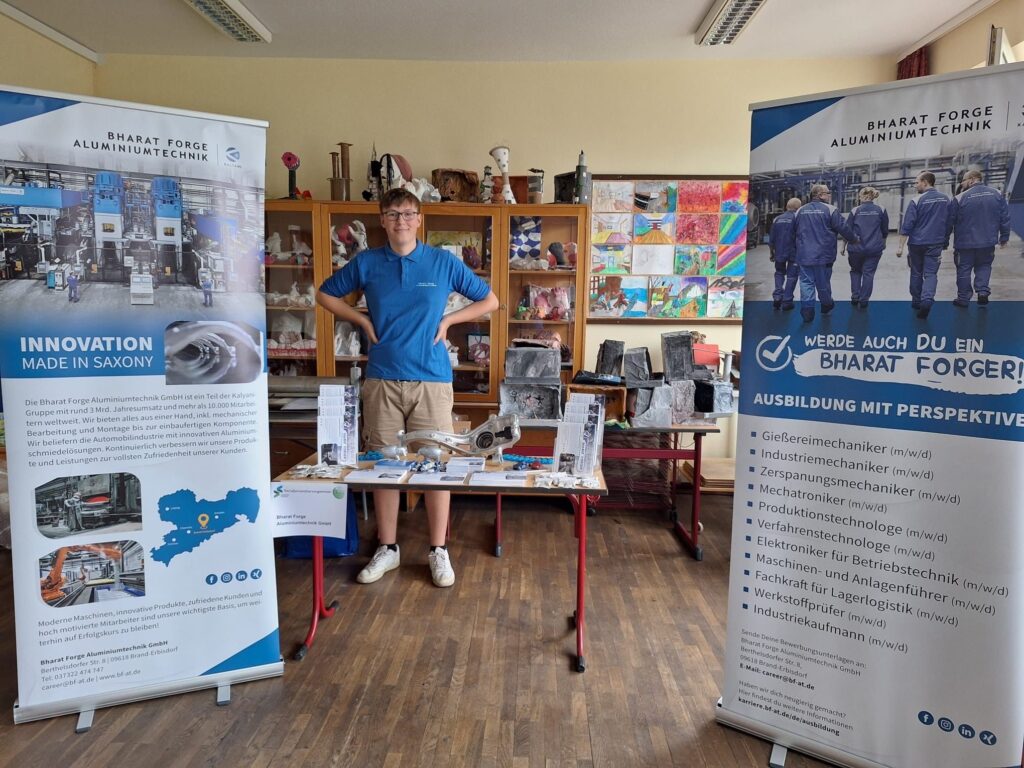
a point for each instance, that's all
(350, 228)
(545, 256)
(468, 231)
(289, 258)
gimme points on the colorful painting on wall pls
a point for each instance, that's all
(654, 228)
(725, 297)
(655, 197)
(611, 259)
(617, 296)
(611, 229)
(698, 228)
(696, 260)
(734, 196)
(612, 196)
(681, 253)
(732, 260)
(699, 196)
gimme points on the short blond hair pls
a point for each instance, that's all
(869, 193)
(817, 190)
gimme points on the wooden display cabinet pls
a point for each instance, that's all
(486, 230)
(469, 231)
(543, 302)
(291, 276)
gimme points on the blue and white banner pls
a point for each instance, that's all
(876, 601)
(132, 356)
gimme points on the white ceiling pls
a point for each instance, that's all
(503, 30)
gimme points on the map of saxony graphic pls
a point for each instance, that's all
(197, 520)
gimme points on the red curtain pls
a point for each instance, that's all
(914, 65)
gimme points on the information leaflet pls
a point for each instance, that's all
(134, 383)
(877, 589)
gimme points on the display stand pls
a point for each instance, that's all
(577, 496)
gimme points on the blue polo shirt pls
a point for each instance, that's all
(406, 296)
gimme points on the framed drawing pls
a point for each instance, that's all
(668, 247)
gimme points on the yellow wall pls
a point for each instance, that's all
(630, 117)
(29, 60)
(967, 46)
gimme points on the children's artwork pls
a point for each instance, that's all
(524, 237)
(734, 196)
(699, 228)
(725, 297)
(733, 229)
(618, 296)
(613, 196)
(696, 260)
(732, 259)
(654, 228)
(655, 197)
(699, 196)
(664, 293)
(653, 259)
(611, 259)
(611, 229)
(682, 235)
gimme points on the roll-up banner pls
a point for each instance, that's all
(132, 358)
(876, 601)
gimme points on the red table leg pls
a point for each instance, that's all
(497, 529)
(691, 538)
(580, 507)
(319, 611)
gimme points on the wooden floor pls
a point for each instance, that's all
(477, 675)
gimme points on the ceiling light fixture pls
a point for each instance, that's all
(725, 21)
(232, 19)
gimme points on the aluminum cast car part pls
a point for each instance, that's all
(489, 439)
(210, 352)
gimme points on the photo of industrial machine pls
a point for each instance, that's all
(127, 229)
(71, 505)
(92, 573)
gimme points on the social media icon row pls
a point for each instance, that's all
(965, 730)
(227, 577)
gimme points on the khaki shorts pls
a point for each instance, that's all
(390, 406)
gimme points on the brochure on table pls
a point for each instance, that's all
(877, 589)
(136, 435)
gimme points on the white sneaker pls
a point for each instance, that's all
(383, 560)
(441, 568)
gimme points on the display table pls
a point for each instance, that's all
(579, 497)
(674, 453)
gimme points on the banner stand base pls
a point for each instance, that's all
(85, 707)
(84, 720)
(778, 758)
(784, 741)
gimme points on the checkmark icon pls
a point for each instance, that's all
(773, 353)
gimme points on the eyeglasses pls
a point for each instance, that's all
(403, 215)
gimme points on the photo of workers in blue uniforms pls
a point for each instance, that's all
(924, 231)
(870, 223)
(979, 218)
(782, 244)
(73, 287)
(818, 225)
(207, 285)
